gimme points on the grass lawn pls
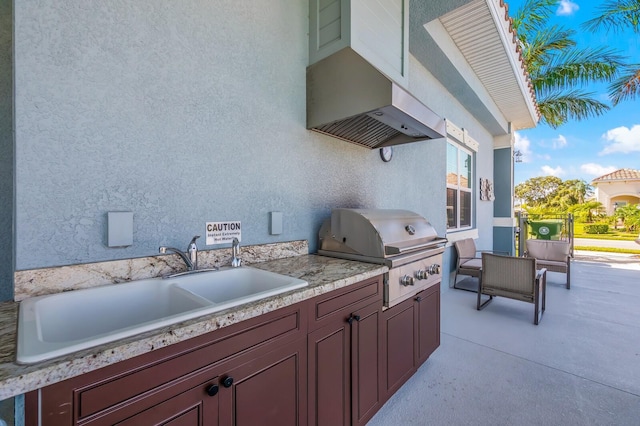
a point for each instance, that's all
(613, 234)
(607, 249)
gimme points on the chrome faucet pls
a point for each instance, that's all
(191, 259)
(235, 248)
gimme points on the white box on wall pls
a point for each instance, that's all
(119, 229)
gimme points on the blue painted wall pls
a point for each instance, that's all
(503, 236)
(504, 240)
(503, 204)
(6, 151)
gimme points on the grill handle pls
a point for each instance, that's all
(403, 248)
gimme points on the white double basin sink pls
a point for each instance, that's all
(59, 324)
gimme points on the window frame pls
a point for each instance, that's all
(471, 190)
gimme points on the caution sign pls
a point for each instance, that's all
(223, 232)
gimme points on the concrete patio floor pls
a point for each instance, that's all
(580, 366)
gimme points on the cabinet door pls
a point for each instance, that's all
(192, 408)
(399, 353)
(267, 390)
(366, 347)
(329, 350)
(428, 322)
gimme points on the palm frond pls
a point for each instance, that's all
(616, 15)
(531, 16)
(626, 86)
(539, 50)
(577, 67)
(556, 108)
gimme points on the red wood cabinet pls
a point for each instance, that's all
(428, 321)
(344, 344)
(411, 333)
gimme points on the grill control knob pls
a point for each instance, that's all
(422, 274)
(406, 280)
(434, 269)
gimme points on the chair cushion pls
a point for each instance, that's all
(548, 250)
(466, 248)
(472, 264)
(545, 263)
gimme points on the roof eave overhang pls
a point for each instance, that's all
(479, 61)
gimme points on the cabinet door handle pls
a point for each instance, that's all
(353, 317)
(418, 299)
(227, 382)
(212, 390)
(356, 317)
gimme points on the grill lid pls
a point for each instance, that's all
(377, 233)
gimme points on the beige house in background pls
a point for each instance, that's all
(617, 189)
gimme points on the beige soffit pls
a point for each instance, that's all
(483, 32)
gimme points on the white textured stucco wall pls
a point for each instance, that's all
(182, 112)
(432, 93)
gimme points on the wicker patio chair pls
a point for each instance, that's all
(469, 262)
(513, 277)
(551, 254)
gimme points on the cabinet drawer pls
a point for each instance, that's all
(97, 398)
(343, 302)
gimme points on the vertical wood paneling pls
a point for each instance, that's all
(329, 22)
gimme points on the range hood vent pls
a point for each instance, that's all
(350, 99)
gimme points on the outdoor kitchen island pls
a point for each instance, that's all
(307, 355)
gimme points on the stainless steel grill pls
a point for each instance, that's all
(403, 240)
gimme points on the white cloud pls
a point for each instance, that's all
(622, 139)
(550, 171)
(597, 169)
(559, 142)
(566, 8)
(523, 144)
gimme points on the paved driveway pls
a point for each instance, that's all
(580, 366)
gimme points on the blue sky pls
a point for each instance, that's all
(593, 147)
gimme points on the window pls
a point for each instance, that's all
(459, 187)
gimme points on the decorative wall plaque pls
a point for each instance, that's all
(486, 190)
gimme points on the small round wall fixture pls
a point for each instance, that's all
(386, 153)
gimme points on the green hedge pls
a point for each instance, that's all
(596, 228)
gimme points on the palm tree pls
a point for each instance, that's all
(558, 70)
(618, 15)
(587, 210)
(629, 214)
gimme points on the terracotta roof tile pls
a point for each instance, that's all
(622, 174)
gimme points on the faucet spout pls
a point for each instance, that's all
(192, 249)
(190, 259)
(235, 248)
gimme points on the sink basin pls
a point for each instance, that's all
(234, 286)
(58, 324)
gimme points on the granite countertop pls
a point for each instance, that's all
(323, 274)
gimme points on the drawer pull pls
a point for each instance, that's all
(212, 390)
(227, 382)
(353, 317)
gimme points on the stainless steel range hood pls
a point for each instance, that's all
(351, 100)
